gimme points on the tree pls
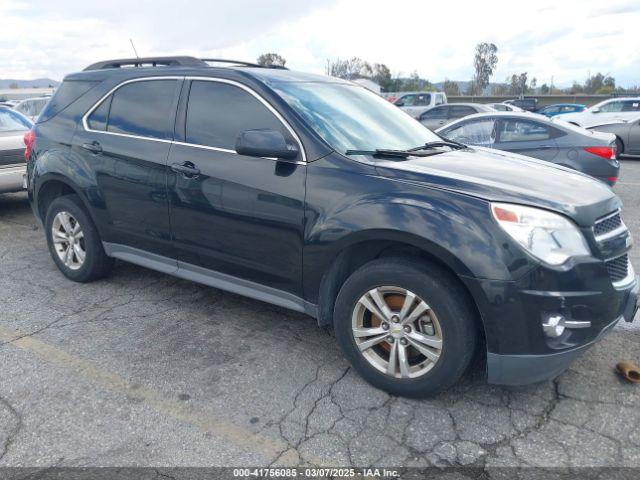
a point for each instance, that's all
(534, 83)
(518, 84)
(484, 63)
(544, 89)
(382, 76)
(13, 85)
(451, 88)
(349, 69)
(271, 59)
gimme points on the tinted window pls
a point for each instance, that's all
(423, 100)
(438, 112)
(66, 94)
(481, 132)
(143, 109)
(98, 119)
(631, 106)
(218, 112)
(459, 111)
(523, 131)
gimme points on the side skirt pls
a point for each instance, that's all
(211, 278)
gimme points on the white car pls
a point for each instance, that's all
(13, 127)
(416, 103)
(605, 112)
(31, 107)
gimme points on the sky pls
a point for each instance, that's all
(563, 40)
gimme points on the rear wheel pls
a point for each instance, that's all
(74, 242)
(406, 327)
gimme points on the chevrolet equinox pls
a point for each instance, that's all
(314, 194)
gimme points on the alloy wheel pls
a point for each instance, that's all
(68, 240)
(397, 332)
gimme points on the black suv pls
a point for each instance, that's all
(317, 195)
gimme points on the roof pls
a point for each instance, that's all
(155, 66)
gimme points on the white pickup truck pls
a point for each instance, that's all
(415, 103)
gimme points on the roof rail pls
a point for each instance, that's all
(241, 63)
(148, 62)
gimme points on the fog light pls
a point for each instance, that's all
(553, 325)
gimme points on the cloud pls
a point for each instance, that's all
(563, 40)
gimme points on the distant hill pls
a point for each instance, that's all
(35, 83)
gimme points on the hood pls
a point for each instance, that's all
(505, 177)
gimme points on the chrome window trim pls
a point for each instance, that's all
(86, 116)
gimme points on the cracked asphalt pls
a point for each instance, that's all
(144, 369)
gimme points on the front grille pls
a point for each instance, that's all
(618, 268)
(608, 224)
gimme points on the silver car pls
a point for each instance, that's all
(537, 136)
(442, 115)
(31, 107)
(627, 135)
(13, 126)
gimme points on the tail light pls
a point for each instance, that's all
(612, 180)
(605, 152)
(29, 140)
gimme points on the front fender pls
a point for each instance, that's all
(455, 228)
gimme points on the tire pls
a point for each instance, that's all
(451, 319)
(95, 264)
(619, 147)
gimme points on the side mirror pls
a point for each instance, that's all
(595, 110)
(265, 143)
(399, 104)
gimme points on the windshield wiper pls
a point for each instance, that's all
(439, 143)
(383, 152)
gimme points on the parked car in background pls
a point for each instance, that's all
(529, 104)
(561, 109)
(436, 117)
(504, 107)
(13, 126)
(607, 111)
(537, 136)
(334, 203)
(414, 103)
(627, 135)
(9, 103)
(31, 107)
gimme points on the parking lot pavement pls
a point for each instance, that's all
(145, 369)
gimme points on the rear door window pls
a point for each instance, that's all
(142, 109)
(459, 111)
(523, 131)
(631, 106)
(422, 100)
(437, 112)
(218, 112)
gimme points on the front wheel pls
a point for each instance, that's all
(407, 327)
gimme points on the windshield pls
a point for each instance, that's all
(11, 121)
(350, 117)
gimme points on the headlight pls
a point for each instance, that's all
(548, 236)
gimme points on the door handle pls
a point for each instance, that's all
(545, 147)
(187, 169)
(93, 147)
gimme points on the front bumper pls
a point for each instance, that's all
(518, 350)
